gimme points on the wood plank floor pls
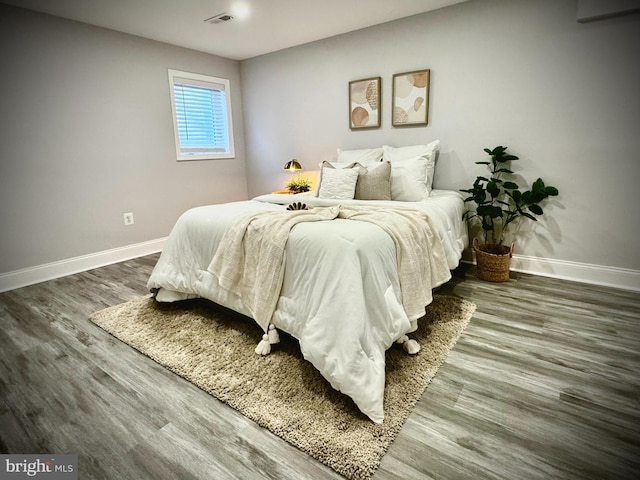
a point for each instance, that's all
(543, 384)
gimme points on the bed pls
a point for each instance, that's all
(348, 284)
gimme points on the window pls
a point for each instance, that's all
(201, 116)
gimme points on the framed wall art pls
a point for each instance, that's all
(410, 98)
(364, 103)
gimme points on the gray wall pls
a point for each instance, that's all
(87, 132)
(563, 96)
(87, 135)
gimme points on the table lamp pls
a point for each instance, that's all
(292, 165)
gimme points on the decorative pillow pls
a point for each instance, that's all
(374, 183)
(339, 183)
(428, 152)
(407, 180)
(365, 156)
(326, 164)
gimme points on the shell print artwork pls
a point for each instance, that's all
(364, 103)
(410, 98)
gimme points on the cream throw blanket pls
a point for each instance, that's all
(249, 261)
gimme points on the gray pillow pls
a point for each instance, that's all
(374, 183)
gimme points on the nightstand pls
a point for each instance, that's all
(283, 192)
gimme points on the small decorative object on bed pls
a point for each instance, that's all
(364, 103)
(500, 206)
(297, 206)
(410, 99)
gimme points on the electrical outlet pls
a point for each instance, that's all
(128, 218)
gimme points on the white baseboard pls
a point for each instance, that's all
(49, 271)
(623, 278)
(616, 277)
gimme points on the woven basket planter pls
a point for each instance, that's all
(493, 261)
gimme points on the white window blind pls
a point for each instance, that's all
(202, 116)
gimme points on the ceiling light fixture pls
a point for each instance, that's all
(240, 10)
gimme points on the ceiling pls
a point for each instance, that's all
(258, 26)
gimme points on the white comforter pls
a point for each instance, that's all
(340, 296)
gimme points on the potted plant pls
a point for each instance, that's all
(500, 206)
(299, 185)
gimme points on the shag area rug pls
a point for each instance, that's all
(213, 348)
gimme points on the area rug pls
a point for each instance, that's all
(213, 348)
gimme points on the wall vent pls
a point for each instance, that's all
(220, 18)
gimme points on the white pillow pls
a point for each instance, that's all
(325, 164)
(403, 153)
(338, 183)
(365, 156)
(407, 180)
(428, 152)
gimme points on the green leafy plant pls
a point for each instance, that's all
(299, 185)
(499, 201)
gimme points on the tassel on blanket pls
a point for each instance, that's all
(270, 338)
(264, 347)
(409, 345)
(274, 337)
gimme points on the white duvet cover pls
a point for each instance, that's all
(340, 296)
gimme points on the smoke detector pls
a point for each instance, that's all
(220, 18)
